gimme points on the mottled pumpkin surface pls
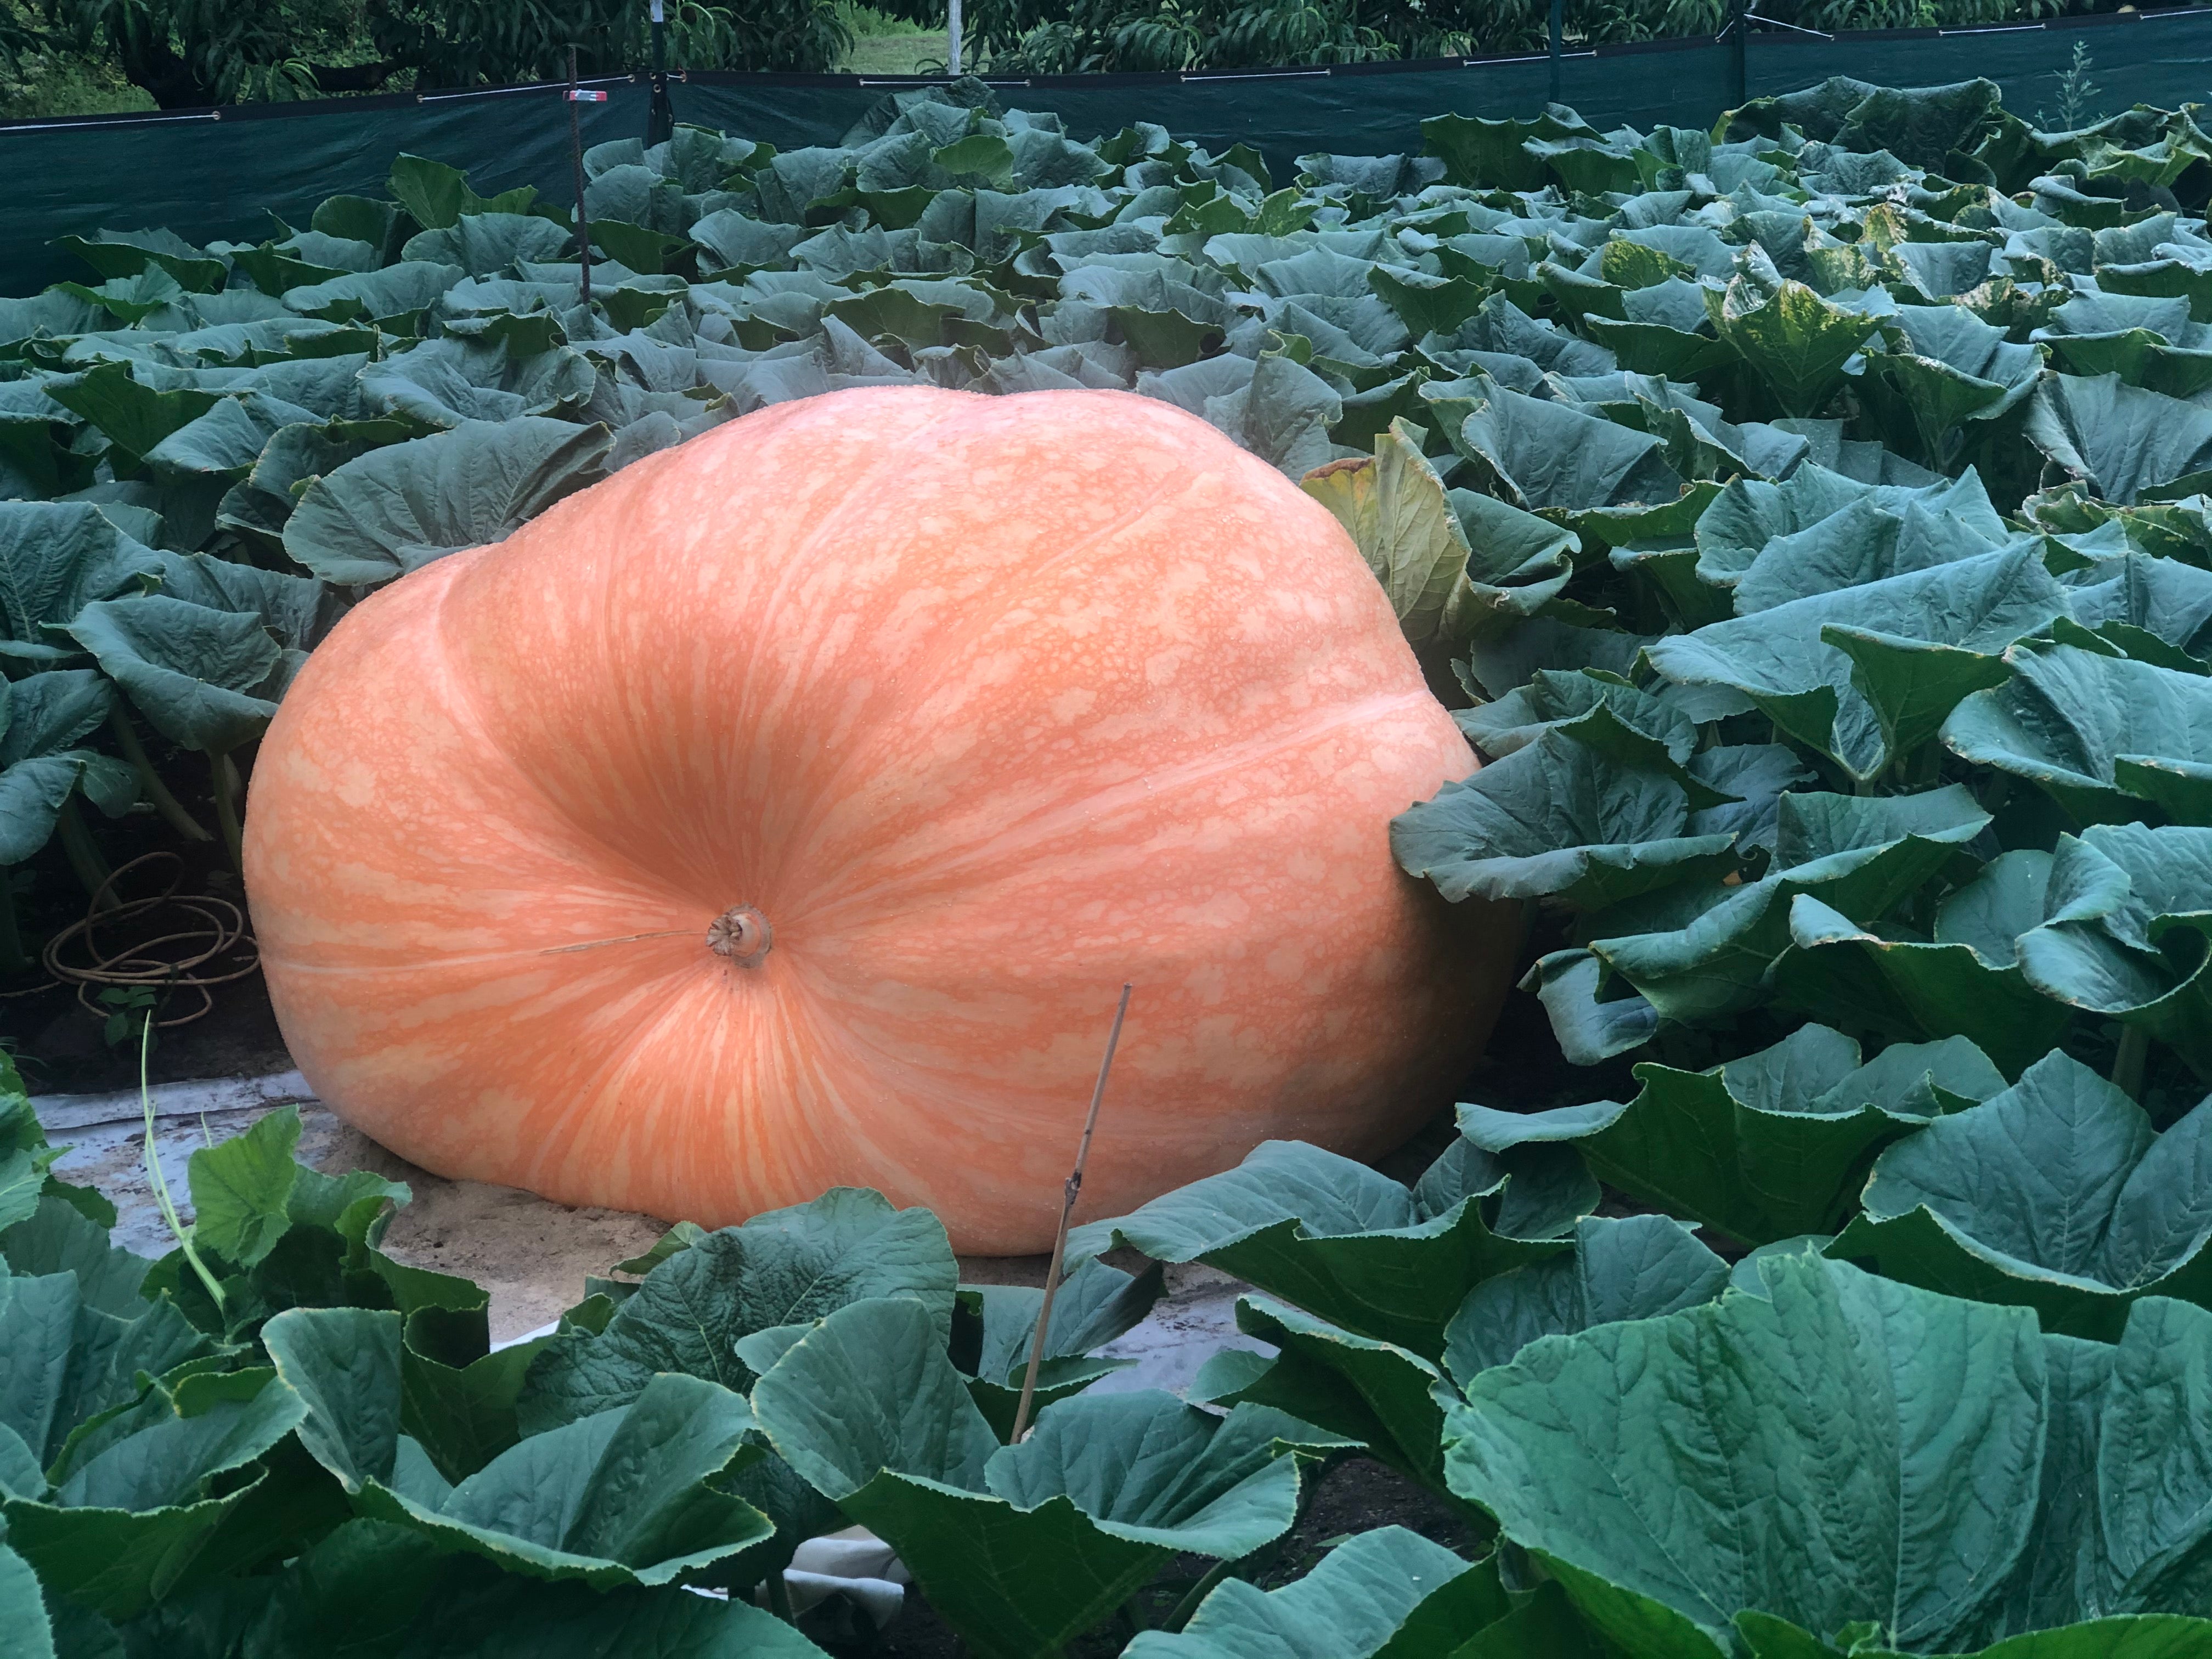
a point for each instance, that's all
(973, 708)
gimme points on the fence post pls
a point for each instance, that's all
(1558, 31)
(576, 153)
(953, 37)
(1739, 27)
(659, 120)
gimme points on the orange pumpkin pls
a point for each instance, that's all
(787, 811)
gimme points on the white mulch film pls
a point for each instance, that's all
(532, 1255)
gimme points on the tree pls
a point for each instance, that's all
(193, 53)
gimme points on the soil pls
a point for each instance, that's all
(1352, 1496)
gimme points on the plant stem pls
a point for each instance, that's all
(171, 809)
(2129, 1061)
(779, 1597)
(225, 806)
(83, 854)
(1179, 1615)
(1066, 1210)
(160, 1182)
(13, 959)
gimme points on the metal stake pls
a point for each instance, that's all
(576, 147)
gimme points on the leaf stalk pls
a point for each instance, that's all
(172, 810)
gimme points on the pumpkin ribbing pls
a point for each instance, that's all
(976, 707)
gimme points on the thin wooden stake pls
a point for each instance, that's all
(1068, 1194)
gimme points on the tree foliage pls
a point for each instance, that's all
(193, 53)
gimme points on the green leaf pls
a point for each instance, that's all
(1858, 855)
(1390, 1591)
(241, 1189)
(435, 195)
(396, 510)
(441, 384)
(207, 679)
(395, 298)
(1638, 1268)
(1966, 982)
(2101, 733)
(58, 1237)
(1094, 1304)
(1387, 1398)
(781, 1267)
(1652, 1465)
(1018, 1547)
(1393, 506)
(131, 300)
(1750, 515)
(488, 243)
(134, 418)
(1545, 454)
(2119, 441)
(2127, 915)
(21, 1608)
(1345, 1242)
(128, 253)
(69, 1359)
(2055, 1194)
(1587, 1030)
(140, 1501)
(1793, 340)
(1769, 1147)
(1866, 673)
(630, 1497)
(1555, 819)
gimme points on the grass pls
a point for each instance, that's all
(67, 83)
(888, 45)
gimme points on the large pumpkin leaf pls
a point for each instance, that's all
(396, 510)
(2119, 441)
(1554, 819)
(2055, 1194)
(1352, 1246)
(784, 1267)
(442, 384)
(1858, 855)
(1638, 1268)
(2102, 733)
(2046, 1480)
(2128, 918)
(1770, 1146)
(1020, 1547)
(1094, 1304)
(1866, 673)
(132, 1503)
(1965, 980)
(1390, 1591)
(1387, 1398)
(208, 679)
(629, 1496)
(1393, 506)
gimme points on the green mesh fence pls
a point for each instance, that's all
(221, 173)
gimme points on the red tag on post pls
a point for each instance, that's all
(577, 96)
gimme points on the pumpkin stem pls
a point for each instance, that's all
(742, 934)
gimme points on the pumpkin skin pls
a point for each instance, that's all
(983, 705)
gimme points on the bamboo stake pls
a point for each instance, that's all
(1068, 1192)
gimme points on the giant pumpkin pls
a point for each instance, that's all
(786, 811)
